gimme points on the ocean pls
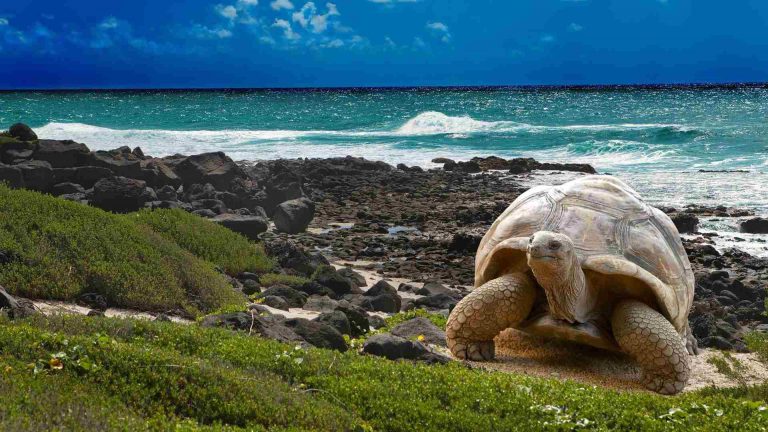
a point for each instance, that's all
(676, 145)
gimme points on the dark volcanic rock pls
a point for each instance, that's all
(756, 225)
(685, 222)
(249, 226)
(292, 256)
(67, 188)
(420, 326)
(276, 302)
(337, 320)
(395, 347)
(22, 132)
(356, 278)
(293, 297)
(269, 327)
(120, 163)
(11, 175)
(437, 301)
(358, 318)
(61, 154)
(317, 333)
(37, 175)
(465, 243)
(93, 301)
(16, 308)
(384, 297)
(327, 276)
(294, 216)
(86, 176)
(215, 168)
(120, 194)
(524, 165)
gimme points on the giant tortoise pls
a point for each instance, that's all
(588, 261)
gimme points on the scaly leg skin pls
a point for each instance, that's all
(487, 311)
(691, 344)
(654, 343)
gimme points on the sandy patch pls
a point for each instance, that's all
(523, 354)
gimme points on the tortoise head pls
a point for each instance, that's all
(550, 251)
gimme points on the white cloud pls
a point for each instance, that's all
(281, 4)
(440, 30)
(285, 26)
(393, 1)
(3, 21)
(390, 43)
(203, 32)
(547, 38)
(336, 43)
(308, 16)
(249, 2)
(419, 43)
(229, 11)
(575, 27)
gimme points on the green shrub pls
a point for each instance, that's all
(63, 249)
(401, 317)
(232, 252)
(275, 278)
(366, 391)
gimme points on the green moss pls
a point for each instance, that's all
(63, 249)
(243, 377)
(230, 251)
(400, 317)
(284, 279)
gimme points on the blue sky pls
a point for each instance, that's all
(296, 43)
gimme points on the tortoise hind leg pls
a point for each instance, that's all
(654, 343)
(487, 311)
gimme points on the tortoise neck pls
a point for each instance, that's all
(566, 291)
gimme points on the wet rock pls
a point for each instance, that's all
(685, 222)
(294, 216)
(317, 333)
(120, 194)
(249, 226)
(420, 326)
(442, 160)
(22, 132)
(395, 347)
(756, 225)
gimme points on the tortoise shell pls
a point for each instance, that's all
(614, 233)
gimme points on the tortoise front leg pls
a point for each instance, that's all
(654, 343)
(487, 311)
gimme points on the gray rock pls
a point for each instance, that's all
(358, 318)
(61, 154)
(395, 347)
(67, 188)
(276, 302)
(119, 194)
(356, 278)
(318, 334)
(376, 322)
(22, 132)
(327, 276)
(215, 168)
(321, 304)
(293, 298)
(11, 175)
(420, 326)
(294, 216)
(167, 193)
(337, 320)
(37, 175)
(249, 226)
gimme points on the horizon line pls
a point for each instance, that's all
(711, 85)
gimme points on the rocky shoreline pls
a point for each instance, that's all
(402, 223)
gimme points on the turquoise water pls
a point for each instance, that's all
(657, 138)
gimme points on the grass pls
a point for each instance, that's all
(230, 251)
(63, 249)
(162, 375)
(730, 366)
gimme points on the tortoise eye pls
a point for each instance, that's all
(554, 245)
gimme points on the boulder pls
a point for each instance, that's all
(358, 319)
(321, 303)
(686, 223)
(269, 327)
(86, 176)
(420, 326)
(354, 277)
(317, 333)
(384, 297)
(337, 320)
(93, 301)
(276, 302)
(292, 297)
(249, 226)
(120, 163)
(37, 175)
(437, 301)
(16, 151)
(284, 186)
(67, 188)
(11, 175)
(251, 286)
(294, 216)
(15, 308)
(157, 174)
(327, 276)
(442, 160)
(61, 154)
(22, 132)
(395, 347)
(215, 168)
(289, 255)
(119, 194)
(376, 322)
(465, 243)
(166, 193)
(756, 225)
